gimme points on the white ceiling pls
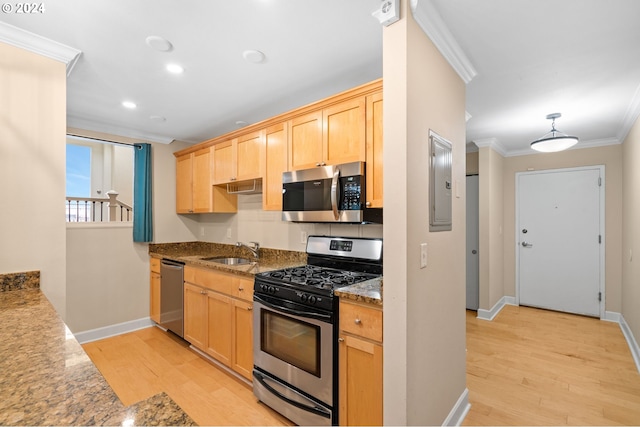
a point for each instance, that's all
(532, 57)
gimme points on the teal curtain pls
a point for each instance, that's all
(142, 201)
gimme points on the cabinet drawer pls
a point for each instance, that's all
(243, 288)
(155, 264)
(360, 320)
(209, 279)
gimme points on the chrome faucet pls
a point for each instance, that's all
(254, 249)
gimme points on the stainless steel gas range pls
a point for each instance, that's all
(296, 327)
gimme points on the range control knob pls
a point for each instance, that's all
(312, 299)
(303, 297)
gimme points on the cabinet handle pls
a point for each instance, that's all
(368, 204)
(250, 308)
(318, 164)
(240, 289)
(203, 292)
(323, 164)
(357, 321)
(340, 339)
(233, 178)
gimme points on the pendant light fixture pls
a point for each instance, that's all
(554, 140)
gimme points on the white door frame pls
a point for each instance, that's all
(601, 168)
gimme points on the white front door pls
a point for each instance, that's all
(560, 238)
(473, 242)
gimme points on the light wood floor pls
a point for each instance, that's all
(526, 367)
(538, 367)
(144, 363)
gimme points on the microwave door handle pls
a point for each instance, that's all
(334, 194)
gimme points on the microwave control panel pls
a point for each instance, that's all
(352, 195)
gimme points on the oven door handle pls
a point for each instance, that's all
(317, 316)
(313, 409)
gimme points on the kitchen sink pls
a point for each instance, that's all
(228, 261)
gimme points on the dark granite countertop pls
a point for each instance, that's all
(369, 292)
(192, 253)
(47, 378)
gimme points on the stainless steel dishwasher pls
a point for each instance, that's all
(171, 296)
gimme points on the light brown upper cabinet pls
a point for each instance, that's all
(374, 150)
(239, 159)
(275, 148)
(194, 190)
(330, 136)
(343, 132)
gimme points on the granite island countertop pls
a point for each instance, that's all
(47, 378)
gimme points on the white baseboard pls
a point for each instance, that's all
(113, 330)
(459, 410)
(631, 341)
(490, 314)
(612, 316)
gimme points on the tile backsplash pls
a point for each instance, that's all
(251, 223)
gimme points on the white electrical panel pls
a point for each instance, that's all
(440, 184)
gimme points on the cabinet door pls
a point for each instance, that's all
(220, 314)
(249, 156)
(305, 141)
(223, 162)
(202, 189)
(243, 338)
(374, 150)
(154, 306)
(275, 163)
(184, 190)
(195, 315)
(360, 382)
(343, 132)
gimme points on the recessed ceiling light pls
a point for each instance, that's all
(253, 56)
(175, 69)
(241, 123)
(128, 104)
(159, 43)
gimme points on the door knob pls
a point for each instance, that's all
(474, 252)
(527, 245)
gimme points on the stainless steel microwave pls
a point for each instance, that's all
(334, 193)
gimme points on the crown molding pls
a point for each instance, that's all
(435, 28)
(492, 143)
(41, 45)
(105, 128)
(630, 116)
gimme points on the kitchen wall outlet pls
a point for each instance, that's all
(303, 237)
(228, 233)
(423, 255)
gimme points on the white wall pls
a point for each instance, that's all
(631, 230)
(32, 168)
(424, 308)
(107, 276)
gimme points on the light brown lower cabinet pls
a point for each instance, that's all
(360, 365)
(218, 317)
(154, 289)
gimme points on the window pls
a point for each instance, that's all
(94, 169)
(78, 171)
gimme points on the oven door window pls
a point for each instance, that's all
(291, 340)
